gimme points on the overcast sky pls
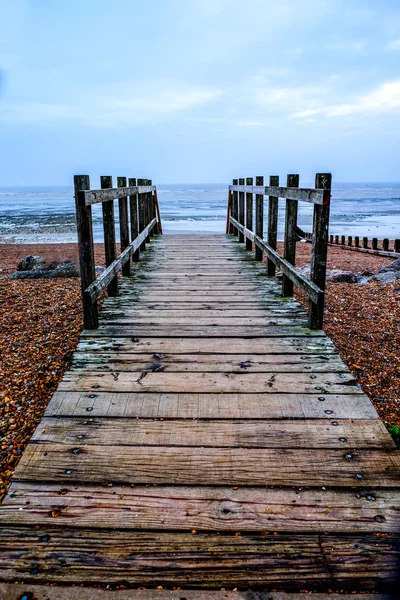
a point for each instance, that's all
(199, 90)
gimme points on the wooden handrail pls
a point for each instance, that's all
(144, 219)
(87, 197)
(252, 232)
(312, 195)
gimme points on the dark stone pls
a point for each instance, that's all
(35, 267)
(31, 262)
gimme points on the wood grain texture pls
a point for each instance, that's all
(209, 466)
(206, 560)
(209, 382)
(202, 508)
(211, 406)
(13, 591)
(228, 433)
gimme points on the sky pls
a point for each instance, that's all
(199, 90)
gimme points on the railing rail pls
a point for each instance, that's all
(141, 213)
(241, 196)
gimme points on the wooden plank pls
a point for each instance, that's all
(334, 383)
(287, 345)
(205, 560)
(206, 363)
(229, 433)
(304, 194)
(202, 508)
(191, 321)
(209, 331)
(106, 195)
(209, 466)
(13, 591)
(331, 407)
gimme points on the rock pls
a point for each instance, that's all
(31, 262)
(35, 267)
(340, 276)
(394, 266)
(385, 277)
(336, 275)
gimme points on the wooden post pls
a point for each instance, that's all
(374, 243)
(109, 233)
(229, 228)
(331, 239)
(290, 235)
(241, 210)
(336, 239)
(86, 251)
(343, 240)
(142, 214)
(259, 228)
(397, 245)
(123, 225)
(349, 240)
(356, 241)
(133, 207)
(158, 215)
(272, 235)
(365, 242)
(235, 211)
(249, 213)
(385, 244)
(319, 250)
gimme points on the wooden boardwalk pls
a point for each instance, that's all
(205, 438)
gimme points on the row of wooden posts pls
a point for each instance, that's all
(366, 244)
(240, 222)
(139, 219)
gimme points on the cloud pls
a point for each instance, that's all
(386, 98)
(129, 105)
(393, 46)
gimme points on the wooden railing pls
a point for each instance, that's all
(144, 221)
(240, 222)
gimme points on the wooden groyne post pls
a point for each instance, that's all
(144, 220)
(320, 197)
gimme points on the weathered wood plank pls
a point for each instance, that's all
(13, 591)
(155, 319)
(106, 195)
(207, 331)
(209, 466)
(293, 562)
(285, 345)
(211, 406)
(305, 194)
(202, 508)
(206, 363)
(333, 383)
(229, 433)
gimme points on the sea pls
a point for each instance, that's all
(47, 214)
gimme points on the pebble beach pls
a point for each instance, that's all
(40, 323)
